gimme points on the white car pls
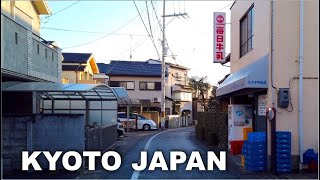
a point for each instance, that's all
(143, 122)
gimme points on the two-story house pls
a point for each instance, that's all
(25, 55)
(142, 79)
(79, 68)
(274, 68)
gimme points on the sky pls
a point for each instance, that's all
(112, 30)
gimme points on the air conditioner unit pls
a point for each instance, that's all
(156, 99)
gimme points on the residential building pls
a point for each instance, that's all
(142, 80)
(101, 77)
(178, 91)
(79, 68)
(25, 56)
(272, 43)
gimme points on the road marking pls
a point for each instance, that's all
(135, 174)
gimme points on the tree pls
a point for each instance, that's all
(200, 86)
(214, 103)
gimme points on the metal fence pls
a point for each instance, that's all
(175, 121)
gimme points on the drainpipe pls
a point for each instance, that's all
(301, 82)
(271, 55)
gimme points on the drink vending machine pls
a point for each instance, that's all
(239, 117)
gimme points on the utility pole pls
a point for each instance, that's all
(163, 64)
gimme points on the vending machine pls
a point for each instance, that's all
(239, 117)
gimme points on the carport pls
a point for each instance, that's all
(97, 102)
(124, 100)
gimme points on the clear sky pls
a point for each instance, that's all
(112, 30)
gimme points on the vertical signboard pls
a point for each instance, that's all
(262, 105)
(219, 31)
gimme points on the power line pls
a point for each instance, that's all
(147, 29)
(165, 38)
(82, 31)
(104, 35)
(47, 17)
(225, 7)
(149, 20)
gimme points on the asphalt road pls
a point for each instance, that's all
(182, 139)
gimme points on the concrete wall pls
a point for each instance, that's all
(42, 133)
(22, 59)
(24, 11)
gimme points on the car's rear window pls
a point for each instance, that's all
(122, 115)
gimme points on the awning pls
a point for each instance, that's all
(253, 76)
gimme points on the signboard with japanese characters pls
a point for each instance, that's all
(219, 38)
(262, 105)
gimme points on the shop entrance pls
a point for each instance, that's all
(258, 101)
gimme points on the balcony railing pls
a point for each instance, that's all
(182, 96)
(26, 55)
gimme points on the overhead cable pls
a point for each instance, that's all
(108, 34)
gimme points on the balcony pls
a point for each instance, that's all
(183, 96)
(24, 56)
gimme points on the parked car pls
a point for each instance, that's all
(120, 129)
(143, 122)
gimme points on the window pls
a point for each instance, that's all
(143, 85)
(38, 49)
(52, 55)
(150, 86)
(16, 38)
(129, 85)
(246, 32)
(122, 115)
(141, 117)
(46, 52)
(133, 116)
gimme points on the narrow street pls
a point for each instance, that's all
(181, 139)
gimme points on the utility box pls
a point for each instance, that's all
(283, 97)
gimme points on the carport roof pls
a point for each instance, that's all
(123, 97)
(47, 87)
(70, 91)
(58, 91)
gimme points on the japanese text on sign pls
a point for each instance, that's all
(219, 37)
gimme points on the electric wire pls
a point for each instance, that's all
(93, 32)
(224, 7)
(149, 21)
(48, 17)
(147, 30)
(108, 34)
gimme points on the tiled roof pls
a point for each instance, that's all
(72, 68)
(75, 57)
(133, 68)
(103, 67)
